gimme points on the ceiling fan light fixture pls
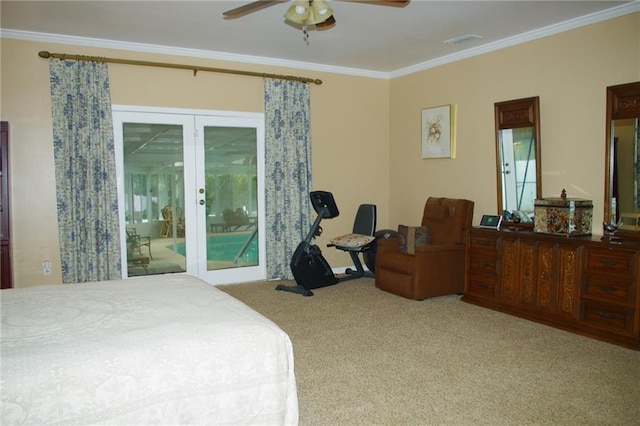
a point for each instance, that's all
(321, 10)
(305, 12)
(299, 12)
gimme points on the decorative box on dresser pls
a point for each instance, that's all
(579, 284)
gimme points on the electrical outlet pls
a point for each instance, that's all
(46, 267)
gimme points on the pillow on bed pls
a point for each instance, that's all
(412, 237)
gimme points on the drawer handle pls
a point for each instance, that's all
(483, 243)
(605, 315)
(484, 286)
(544, 275)
(483, 264)
(606, 288)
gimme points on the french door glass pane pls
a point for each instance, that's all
(231, 189)
(153, 164)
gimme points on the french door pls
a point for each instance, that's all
(191, 191)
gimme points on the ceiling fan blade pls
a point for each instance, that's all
(249, 8)
(394, 3)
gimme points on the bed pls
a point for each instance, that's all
(167, 349)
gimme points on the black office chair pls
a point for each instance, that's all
(359, 241)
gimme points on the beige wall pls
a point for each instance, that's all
(349, 117)
(365, 131)
(569, 72)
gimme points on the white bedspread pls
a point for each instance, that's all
(151, 350)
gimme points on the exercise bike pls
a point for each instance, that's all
(309, 267)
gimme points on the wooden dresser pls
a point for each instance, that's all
(579, 284)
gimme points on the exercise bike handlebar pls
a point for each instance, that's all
(313, 231)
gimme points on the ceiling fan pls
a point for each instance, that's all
(306, 12)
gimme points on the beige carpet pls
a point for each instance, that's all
(366, 357)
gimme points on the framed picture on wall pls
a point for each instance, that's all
(438, 132)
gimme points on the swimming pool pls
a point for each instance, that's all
(225, 248)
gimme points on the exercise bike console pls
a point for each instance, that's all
(324, 204)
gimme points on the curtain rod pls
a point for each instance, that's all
(63, 56)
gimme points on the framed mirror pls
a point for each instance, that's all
(622, 164)
(518, 158)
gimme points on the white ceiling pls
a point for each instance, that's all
(367, 39)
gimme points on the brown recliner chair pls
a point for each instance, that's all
(437, 268)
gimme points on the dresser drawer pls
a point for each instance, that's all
(610, 287)
(618, 261)
(479, 264)
(608, 317)
(483, 245)
(481, 285)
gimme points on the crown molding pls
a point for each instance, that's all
(571, 24)
(191, 53)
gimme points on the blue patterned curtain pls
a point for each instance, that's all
(288, 172)
(85, 171)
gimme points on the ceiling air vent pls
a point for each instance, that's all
(462, 39)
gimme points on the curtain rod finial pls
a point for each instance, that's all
(318, 81)
(44, 54)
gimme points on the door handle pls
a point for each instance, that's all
(202, 202)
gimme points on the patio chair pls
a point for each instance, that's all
(135, 242)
